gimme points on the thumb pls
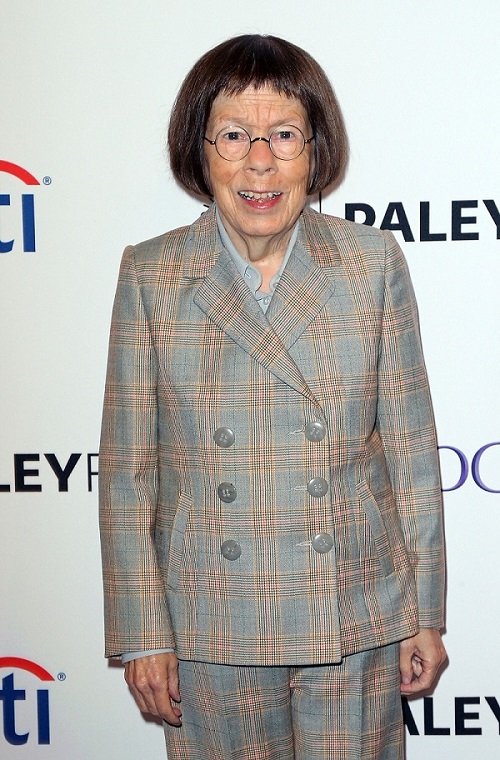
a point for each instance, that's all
(406, 666)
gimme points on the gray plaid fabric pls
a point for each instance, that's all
(347, 711)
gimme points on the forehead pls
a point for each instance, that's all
(254, 105)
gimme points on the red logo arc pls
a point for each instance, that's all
(17, 171)
(29, 665)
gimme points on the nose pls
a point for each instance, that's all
(260, 157)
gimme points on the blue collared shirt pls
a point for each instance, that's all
(250, 274)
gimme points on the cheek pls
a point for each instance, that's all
(307, 170)
(219, 175)
(301, 181)
(214, 173)
(221, 188)
(301, 175)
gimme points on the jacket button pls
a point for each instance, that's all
(224, 437)
(322, 543)
(315, 431)
(226, 492)
(230, 550)
(317, 487)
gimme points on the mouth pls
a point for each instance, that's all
(249, 195)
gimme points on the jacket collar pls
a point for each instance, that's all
(204, 245)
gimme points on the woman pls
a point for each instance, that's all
(270, 496)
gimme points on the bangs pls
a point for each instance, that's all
(262, 63)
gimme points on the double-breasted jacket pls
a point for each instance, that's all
(269, 484)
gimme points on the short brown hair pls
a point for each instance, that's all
(254, 60)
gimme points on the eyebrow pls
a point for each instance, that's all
(291, 122)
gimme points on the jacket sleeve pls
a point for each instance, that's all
(136, 615)
(406, 425)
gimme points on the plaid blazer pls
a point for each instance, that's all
(269, 484)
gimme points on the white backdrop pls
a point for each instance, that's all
(86, 89)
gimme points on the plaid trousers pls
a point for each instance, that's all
(346, 711)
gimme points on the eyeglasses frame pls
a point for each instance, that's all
(259, 139)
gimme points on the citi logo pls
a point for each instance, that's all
(17, 210)
(22, 707)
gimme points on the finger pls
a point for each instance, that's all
(145, 702)
(139, 686)
(154, 683)
(173, 680)
(164, 687)
(417, 666)
(167, 709)
(155, 700)
(139, 700)
(422, 683)
(161, 697)
(424, 675)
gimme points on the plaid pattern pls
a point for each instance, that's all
(349, 711)
(191, 351)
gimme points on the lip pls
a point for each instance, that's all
(265, 202)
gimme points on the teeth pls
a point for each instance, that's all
(257, 196)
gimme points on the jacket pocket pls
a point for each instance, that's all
(171, 542)
(377, 528)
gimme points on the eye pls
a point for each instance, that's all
(285, 134)
(233, 135)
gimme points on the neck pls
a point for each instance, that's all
(265, 254)
(259, 249)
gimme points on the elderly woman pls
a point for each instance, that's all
(270, 496)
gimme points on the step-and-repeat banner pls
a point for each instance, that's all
(86, 89)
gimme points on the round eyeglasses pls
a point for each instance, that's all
(285, 142)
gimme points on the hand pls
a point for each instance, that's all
(154, 683)
(420, 659)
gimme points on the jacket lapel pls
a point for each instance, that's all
(304, 289)
(226, 300)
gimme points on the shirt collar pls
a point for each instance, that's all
(250, 274)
